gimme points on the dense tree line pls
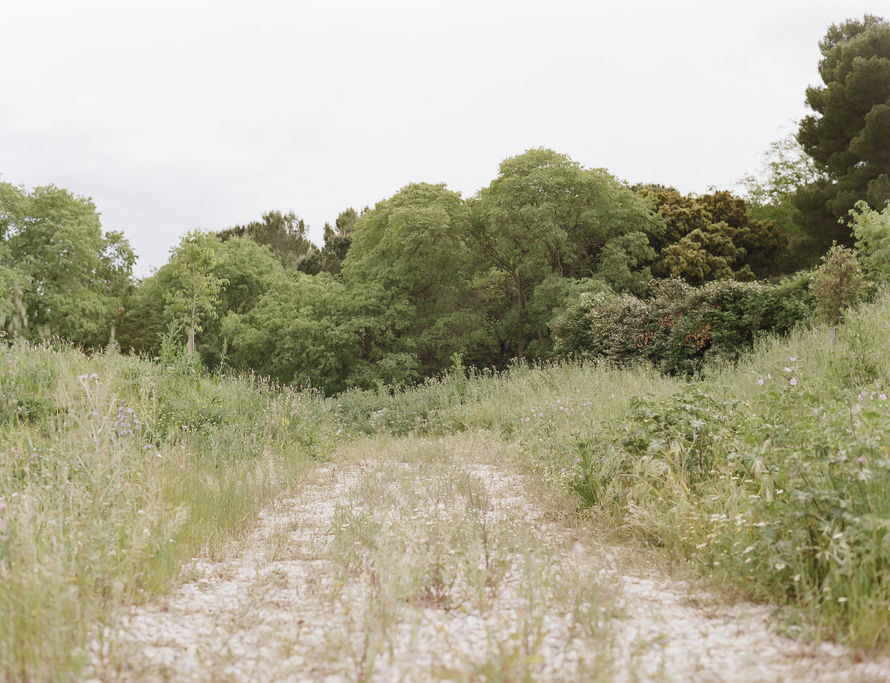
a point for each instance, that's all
(425, 278)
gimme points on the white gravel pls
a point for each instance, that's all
(280, 607)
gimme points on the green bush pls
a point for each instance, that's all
(872, 232)
(679, 327)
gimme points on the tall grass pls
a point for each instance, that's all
(113, 470)
(770, 476)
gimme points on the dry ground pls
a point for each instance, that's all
(440, 560)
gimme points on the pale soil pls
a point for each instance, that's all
(438, 561)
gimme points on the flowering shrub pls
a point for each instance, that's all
(680, 327)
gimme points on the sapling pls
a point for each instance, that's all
(837, 285)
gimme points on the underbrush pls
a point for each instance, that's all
(772, 477)
(113, 470)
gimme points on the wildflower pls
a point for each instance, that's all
(760, 381)
(793, 382)
(796, 578)
(842, 599)
(82, 378)
(882, 397)
(94, 376)
(787, 369)
(793, 358)
(779, 566)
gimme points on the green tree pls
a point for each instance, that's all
(411, 276)
(283, 233)
(196, 297)
(837, 285)
(871, 229)
(544, 214)
(244, 270)
(712, 237)
(337, 240)
(773, 194)
(68, 276)
(848, 136)
(301, 331)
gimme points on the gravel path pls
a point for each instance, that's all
(407, 568)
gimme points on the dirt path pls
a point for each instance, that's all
(432, 563)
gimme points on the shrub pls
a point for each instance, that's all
(838, 284)
(680, 326)
(872, 232)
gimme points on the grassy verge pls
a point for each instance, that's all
(113, 470)
(770, 477)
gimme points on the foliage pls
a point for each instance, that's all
(300, 332)
(772, 478)
(712, 237)
(337, 240)
(546, 215)
(848, 136)
(411, 277)
(243, 271)
(837, 284)
(60, 268)
(284, 234)
(194, 300)
(114, 471)
(871, 229)
(773, 194)
(679, 327)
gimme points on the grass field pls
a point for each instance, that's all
(770, 479)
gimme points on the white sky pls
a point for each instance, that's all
(205, 114)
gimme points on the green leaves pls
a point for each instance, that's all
(63, 276)
(194, 299)
(849, 135)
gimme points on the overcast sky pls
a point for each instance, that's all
(187, 114)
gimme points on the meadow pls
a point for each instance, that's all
(766, 478)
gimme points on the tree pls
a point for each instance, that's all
(299, 331)
(195, 299)
(848, 136)
(544, 214)
(65, 273)
(411, 277)
(283, 233)
(773, 194)
(712, 237)
(337, 240)
(837, 285)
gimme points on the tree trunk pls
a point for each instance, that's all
(519, 337)
(191, 348)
